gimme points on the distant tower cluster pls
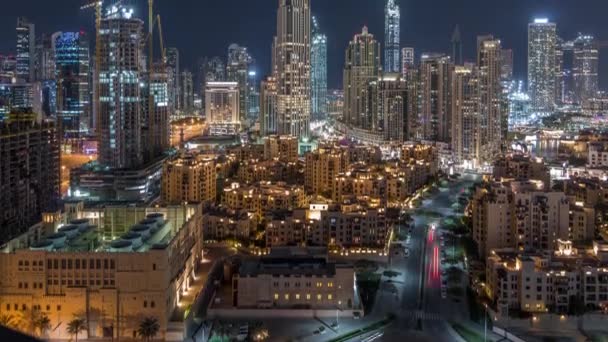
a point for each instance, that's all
(318, 73)
(392, 17)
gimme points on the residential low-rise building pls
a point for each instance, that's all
(295, 283)
(264, 197)
(559, 283)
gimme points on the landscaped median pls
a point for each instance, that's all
(466, 333)
(372, 327)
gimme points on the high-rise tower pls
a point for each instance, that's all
(72, 72)
(361, 66)
(457, 46)
(26, 44)
(120, 97)
(434, 93)
(542, 40)
(291, 52)
(318, 73)
(392, 17)
(173, 79)
(585, 68)
(489, 55)
(237, 70)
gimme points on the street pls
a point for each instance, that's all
(421, 311)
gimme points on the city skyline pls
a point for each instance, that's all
(427, 27)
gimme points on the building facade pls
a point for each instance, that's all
(29, 181)
(222, 103)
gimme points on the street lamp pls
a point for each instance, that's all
(485, 324)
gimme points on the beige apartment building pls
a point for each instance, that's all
(283, 148)
(518, 215)
(321, 169)
(351, 224)
(264, 197)
(73, 272)
(189, 178)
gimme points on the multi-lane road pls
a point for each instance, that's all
(420, 309)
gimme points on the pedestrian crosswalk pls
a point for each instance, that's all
(428, 316)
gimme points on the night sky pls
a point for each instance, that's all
(206, 27)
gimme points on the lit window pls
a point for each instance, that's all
(297, 296)
(330, 284)
(308, 296)
(287, 296)
(329, 297)
(319, 297)
(276, 296)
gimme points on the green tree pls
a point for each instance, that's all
(76, 326)
(148, 328)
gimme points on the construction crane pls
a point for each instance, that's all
(97, 5)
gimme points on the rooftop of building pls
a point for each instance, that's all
(154, 232)
(291, 261)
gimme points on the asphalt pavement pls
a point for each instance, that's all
(421, 312)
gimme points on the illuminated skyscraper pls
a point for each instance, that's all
(72, 71)
(253, 103)
(26, 44)
(237, 70)
(361, 66)
(268, 107)
(318, 72)
(542, 40)
(187, 92)
(210, 70)
(407, 60)
(120, 97)
(392, 30)
(174, 82)
(489, 55)
(155, 117)
(559, 71)
(44, 58)
(434, 94)
(223, 108)
(585, 68)
(291, 52)
(465, 107)
(506, 65)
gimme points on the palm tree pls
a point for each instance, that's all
(43, 323)
(75, 326)
(9, 321)
(148, 328)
